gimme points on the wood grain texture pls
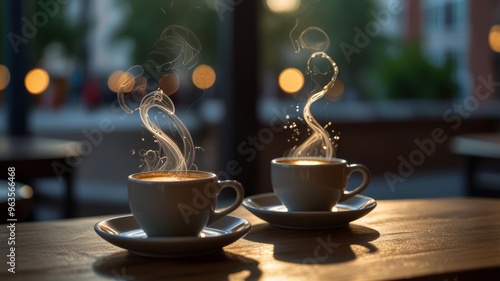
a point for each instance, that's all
(431, 239)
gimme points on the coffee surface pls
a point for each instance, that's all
(306, 162)
(172, 176)
(160, 178)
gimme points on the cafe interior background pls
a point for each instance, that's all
(406, 69)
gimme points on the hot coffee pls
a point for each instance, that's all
(170, 176)
(169, 203)
(295, 161)
(307, 184)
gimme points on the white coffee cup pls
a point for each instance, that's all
(178, 203)
(313, 183)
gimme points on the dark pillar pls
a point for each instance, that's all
(16, 53)
(245, 92)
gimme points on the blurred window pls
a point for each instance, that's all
(82, 43)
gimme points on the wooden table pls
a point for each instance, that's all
(482, 153)
(431, 239)
(36, 157)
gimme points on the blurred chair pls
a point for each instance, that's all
(481, 153)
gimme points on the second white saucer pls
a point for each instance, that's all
(269, 208)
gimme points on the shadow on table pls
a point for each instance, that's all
(218, 266)
(318, 246)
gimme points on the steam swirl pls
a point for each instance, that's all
(319, 143)
(176, 49)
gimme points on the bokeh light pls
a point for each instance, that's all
(204, 76)
(4, 77)
(36, 81)
(26, 191)
(335, 92)
(291, 80)
(282, 6)
(118, 78)
(494, 38)
(169, 83)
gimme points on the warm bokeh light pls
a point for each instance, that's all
(282, 6)
(169, 83)
(291, 80)
(4, 77)
(36, 81)
(118, 78)
(26, 191)
(335, 92)
(494, 38)
(204, 77)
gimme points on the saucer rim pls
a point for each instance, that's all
(131, 243)
(372, 205)
(309, 220)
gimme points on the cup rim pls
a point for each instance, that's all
(209, 175)
(331, 161)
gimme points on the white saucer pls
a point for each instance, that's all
(269, 208)
(125, 233)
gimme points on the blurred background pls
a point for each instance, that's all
(412, 76)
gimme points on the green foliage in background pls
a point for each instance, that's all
(409, 75)
(59, 28)
(55, 27)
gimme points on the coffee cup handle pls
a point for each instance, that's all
(366, 180)
(240, 193)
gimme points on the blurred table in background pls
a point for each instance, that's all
(35, 157)
(482, 162)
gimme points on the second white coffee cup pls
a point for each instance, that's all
(314, 184)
